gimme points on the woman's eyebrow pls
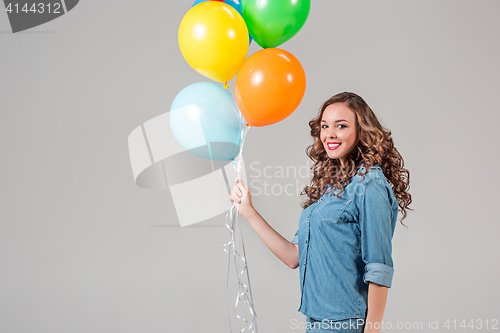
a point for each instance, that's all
(337, 121)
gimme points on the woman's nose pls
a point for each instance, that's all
(331, 134)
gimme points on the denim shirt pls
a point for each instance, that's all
(345, 242)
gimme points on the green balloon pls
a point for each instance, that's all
(273, 22)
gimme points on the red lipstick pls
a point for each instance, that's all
(336, 145)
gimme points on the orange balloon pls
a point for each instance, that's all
(269, 86)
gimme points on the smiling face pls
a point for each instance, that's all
(338, 131)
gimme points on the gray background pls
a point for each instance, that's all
(84, 249)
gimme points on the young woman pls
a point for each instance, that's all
(343, 243)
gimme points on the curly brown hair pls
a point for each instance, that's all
(374, 146)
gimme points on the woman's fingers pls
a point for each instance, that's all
(238, 190)
(240, 181)
(244, 185)
(240, 194)
(234, 198)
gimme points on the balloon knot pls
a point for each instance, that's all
(226, 85)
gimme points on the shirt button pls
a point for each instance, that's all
(320, 200)
(306, 241)
(304, 263)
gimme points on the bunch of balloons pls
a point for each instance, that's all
(214, 37)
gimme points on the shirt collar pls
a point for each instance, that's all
(362, 168)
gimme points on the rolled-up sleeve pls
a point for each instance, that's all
(377, 228)
(295, 239)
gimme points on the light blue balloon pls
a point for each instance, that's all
(205, 121)
(235, 4)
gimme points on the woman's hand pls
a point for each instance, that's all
(282, 248)
(241, 194)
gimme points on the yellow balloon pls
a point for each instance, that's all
(213, 38)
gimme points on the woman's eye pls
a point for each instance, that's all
(338, 126)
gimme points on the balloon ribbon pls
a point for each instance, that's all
(240, 263)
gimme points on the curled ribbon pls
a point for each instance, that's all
(240, 263)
